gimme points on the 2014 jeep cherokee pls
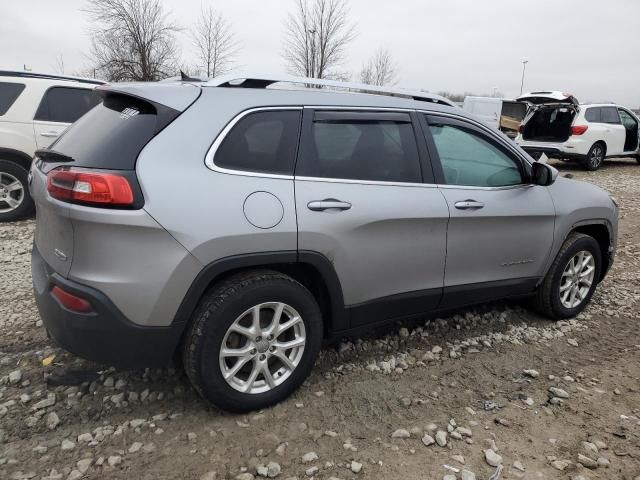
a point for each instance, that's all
(241, 225)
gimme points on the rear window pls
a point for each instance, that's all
(65, 104)
(112, 134)
(9, 93)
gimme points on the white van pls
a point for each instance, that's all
(505, 115)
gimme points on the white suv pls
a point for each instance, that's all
(560, 127)
(34, 110)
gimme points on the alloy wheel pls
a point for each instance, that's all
(577, 279)
(262, 347)
(596, 157)
(11, 192)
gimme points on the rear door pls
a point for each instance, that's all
(501, 227)
(615, 133)
(361, 202)
(59, 107)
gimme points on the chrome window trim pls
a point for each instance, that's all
(211, 153)
(365, 182)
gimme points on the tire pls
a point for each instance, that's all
(225, 306)
(595, 156)
(547, 300)
(11, 174)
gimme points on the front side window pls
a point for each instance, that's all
(9, 93)
(65, 104)
(471, 160)
(262, 142)
(610, 115)
(627, 120)
(364, 146)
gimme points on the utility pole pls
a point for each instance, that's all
(524, 67)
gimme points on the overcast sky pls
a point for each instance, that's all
(588, 47)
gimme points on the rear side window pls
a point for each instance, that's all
(610, 115)
(365, 146)
(9, 93)
(112, 134)
(66, 105)
(261, 142)
(469, 159)
(593, 115)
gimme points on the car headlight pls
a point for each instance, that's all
(614, 200)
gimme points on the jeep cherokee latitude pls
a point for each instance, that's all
(239, 225)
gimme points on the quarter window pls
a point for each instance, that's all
(593, 115)
(262, 142)
(469, 159)
(66, 105)
(9, 93)
(361, 146)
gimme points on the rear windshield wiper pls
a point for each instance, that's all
(47, 155)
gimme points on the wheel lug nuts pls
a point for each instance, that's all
(253, 351)
(272, 349)
(258, 339)
(262, 357)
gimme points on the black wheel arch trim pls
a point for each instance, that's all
(17, 156)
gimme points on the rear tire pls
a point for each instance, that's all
(15, 200)
(226, 318)
(551, 297)
(595, 156)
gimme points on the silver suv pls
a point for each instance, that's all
(239, 225)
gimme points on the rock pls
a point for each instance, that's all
(52, 421)
(244, 476)
(84, 464)
(465, 432)
(45, 402)
(558, 392)
(590, 448)
(209, 476)
(311, 471)
(492, 457)
(192, 436)
(467, 475)
(587, 462)
(135, 447)
(75, 475)
(114, 460)
(560, 464)
(458, 458)
(67, 445)
(603, 462)
(120, 384)
(309, 457)
(436, 350)
(400, 433)
(573, 342)
(15, 377)
(108, 383)
(428, 440)
(273, 469)
(518, 466)
(531, 373)
(403, 332)
(356, 467)
(138, 422)
(441, 438)
(85, 437)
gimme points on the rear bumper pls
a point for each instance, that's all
(105, 335)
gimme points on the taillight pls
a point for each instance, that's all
(71, 301)
(521, 128)
(578, 129)
(96, 188)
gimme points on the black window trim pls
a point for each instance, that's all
(455, 120)
(211, 153)
(44, 95)
(344, 112)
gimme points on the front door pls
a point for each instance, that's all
(630, 124)
(361, 202)
(501, 228)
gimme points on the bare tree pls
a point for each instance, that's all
(59, 65)
(132, 40)
(214, 41)
(379, 70)
(317, 35)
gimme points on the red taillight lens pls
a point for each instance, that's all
(521, 128)
(79, 186)
(71, 301)
(578, 129)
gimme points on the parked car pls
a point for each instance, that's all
(240, 226)
(34, 110)
(559, 126)
(499, 113)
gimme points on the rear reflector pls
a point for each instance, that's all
(71, 301)
(80, 186)
(579, 129)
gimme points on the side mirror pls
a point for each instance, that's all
(543, 174)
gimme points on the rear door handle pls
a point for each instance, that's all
(468, 205)
(328, 204)
(49, 134)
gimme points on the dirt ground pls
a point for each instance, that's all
(479, 381)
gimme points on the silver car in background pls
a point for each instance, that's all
(239, 224)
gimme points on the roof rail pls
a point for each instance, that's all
(9, 73)
(242, 80)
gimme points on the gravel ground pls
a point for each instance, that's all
(493, 392)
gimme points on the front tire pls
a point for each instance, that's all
(595, 156)
(570, 282)
(253, 340)
(15, 201)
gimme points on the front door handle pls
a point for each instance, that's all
(49, 134)
(468, 205)
(328, 204)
